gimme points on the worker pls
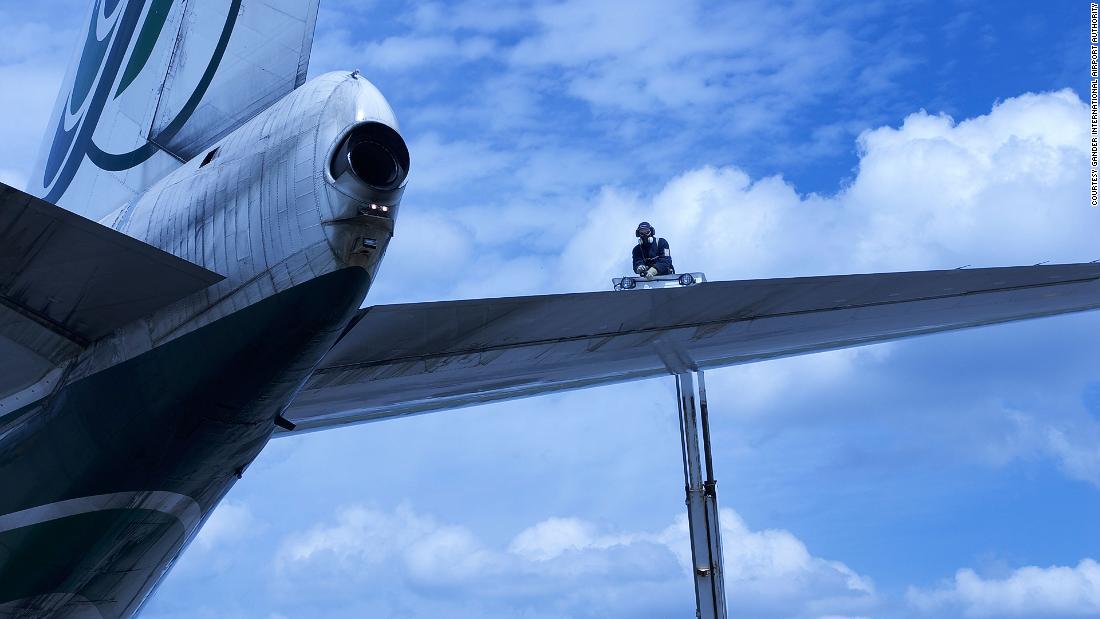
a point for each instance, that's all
(651, 254)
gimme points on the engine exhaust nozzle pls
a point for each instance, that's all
(372, 164)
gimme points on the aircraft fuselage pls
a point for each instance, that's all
(106, 479)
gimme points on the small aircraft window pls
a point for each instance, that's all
(208, 158)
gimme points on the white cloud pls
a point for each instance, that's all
(232, 521)
(474, 15)
(769, 571)
(373, 538)
(1077, 449)
(1003, 188)
(650, 56)
(1073, 441)
(455, 166)
(216, 549)
(407, 52)
(1026, 592)
(774, 569)
(447, 553)
(650, 77)
(550, 538)
(340, 47)
(757, 386)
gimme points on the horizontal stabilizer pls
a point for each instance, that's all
(258, 52)
(66, 281)
(406, 359)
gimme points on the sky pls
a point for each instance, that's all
(955, 475)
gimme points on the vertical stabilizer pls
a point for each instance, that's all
(154, 82)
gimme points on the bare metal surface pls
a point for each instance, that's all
(407, 359)
(704, 531)
(256, 214)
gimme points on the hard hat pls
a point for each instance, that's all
(644, 227)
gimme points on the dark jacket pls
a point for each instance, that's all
(654, 254)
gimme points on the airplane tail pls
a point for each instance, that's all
(155, 82)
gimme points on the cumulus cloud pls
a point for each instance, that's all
(773, 569)
(551, 537)
(401, 53)
(214, 551)
(1072, 441)
(1077, 449)
(649, 56)
(769, 572)
(648, 78)
(472, 15)
(363, 537)
(446, 166)
(1003, 188)
(232, 521)
(1026, 592)
(33, 55)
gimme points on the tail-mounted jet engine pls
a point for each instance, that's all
(371, 166)
(368, 169)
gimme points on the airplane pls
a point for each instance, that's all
(182, 282)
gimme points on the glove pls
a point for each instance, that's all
(651, 273)
(641, 269)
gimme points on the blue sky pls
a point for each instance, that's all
(949, 476)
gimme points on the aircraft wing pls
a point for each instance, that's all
(66, 281)
(399, 360)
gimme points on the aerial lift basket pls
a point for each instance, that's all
(675, 280)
